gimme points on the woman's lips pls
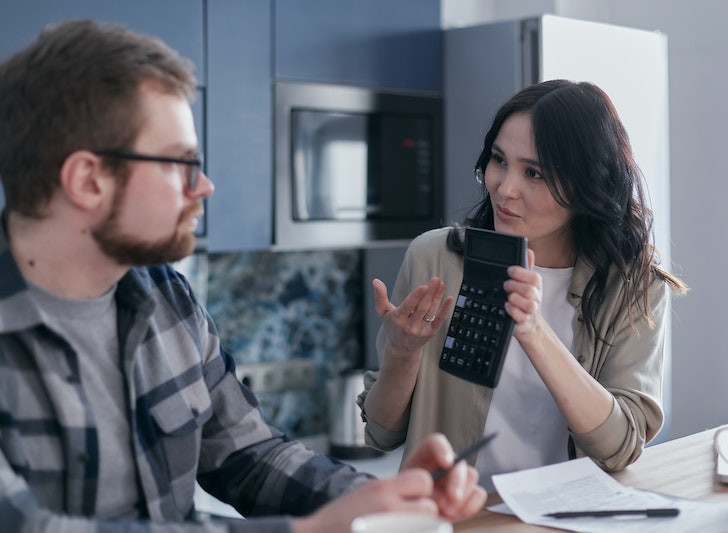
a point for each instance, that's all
(506, 214)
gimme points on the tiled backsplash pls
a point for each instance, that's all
(274, 306)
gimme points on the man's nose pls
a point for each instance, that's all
(204, 188)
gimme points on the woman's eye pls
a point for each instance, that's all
(533, 174)
(497, 159)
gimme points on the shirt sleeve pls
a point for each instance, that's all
(630, 368)
(251, 465)
(20, 512)
(376, 435)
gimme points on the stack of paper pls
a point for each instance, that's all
(580, 485)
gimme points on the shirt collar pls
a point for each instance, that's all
(583, 272)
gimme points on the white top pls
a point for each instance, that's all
(531, 430)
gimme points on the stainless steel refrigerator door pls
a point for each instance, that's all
(482, 70)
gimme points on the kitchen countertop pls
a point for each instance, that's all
(384, 466)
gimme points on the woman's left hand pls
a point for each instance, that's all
(525, 292)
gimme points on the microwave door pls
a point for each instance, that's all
(400, 167)
(329, 166)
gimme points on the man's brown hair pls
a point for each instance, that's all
(76, 87)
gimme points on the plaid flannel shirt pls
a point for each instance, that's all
(189, 415)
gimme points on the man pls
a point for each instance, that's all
(115, 394)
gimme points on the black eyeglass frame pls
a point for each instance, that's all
(193, 165)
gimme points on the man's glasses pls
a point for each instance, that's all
(192, 166)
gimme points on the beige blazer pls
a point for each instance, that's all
(628, 363)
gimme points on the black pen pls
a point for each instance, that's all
(666, 511)
(438, 473)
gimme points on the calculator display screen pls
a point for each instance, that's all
(495, 250)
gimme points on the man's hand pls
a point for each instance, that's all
(454, 496)
(457, 494)
(408, 492)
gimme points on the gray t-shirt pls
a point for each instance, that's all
(90, 327)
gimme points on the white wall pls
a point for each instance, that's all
(698, 86)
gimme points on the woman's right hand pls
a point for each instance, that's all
(406, 331)
(409, 326)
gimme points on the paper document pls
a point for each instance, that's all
(580, 485)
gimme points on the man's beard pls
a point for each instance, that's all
(126, 250)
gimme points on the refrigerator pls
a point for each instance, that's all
(485, 65)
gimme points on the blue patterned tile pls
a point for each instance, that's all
(273, 306)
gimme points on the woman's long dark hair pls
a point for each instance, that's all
(587, 163)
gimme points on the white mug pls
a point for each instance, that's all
(400, 523)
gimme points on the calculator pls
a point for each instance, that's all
(480, 329)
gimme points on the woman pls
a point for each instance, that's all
(585, 375)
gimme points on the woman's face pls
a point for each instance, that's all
(522, 202)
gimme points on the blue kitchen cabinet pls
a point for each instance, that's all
(376, 43)
(179, 23)
(239, 124)
(229, 41)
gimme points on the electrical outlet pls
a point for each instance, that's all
(293, 374)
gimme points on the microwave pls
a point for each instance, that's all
(355, 166)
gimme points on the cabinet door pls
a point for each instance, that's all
(373, 43)
(239, 124)
(179, 23)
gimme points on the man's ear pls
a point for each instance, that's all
(84, 181)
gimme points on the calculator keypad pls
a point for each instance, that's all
(478, 330)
